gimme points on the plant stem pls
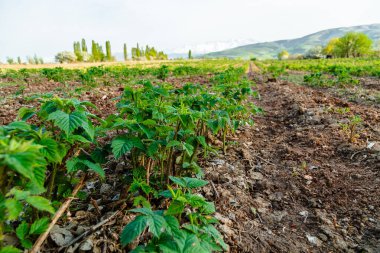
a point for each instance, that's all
(171, 161)
(51, 181)
(224, 140)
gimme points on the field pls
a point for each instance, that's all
(196, 155)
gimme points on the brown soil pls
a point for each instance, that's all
(294, 183)
(291, 183)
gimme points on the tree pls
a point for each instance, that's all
(78, 51)
(353, 44)
(108, 51)
(65, 57)
(189, 55)
(125, 52)
(84, 46)
(138, 51)
(330, 48)
(283, 55)
(10, 60)
(314, 53)
(19, 60)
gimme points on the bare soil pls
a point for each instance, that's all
(291, 183)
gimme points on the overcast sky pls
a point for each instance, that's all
(44, 27)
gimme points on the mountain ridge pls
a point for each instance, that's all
(266, 50)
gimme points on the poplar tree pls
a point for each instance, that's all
(108, 51)
(190, 56)
(84, 46)
(138, 52)
(125, 52)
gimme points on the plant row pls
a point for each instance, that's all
(158, 133)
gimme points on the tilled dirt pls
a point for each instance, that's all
(291, 183)
(294, 182)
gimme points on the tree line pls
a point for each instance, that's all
(97, 54)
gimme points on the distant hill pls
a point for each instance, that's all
(267, 50)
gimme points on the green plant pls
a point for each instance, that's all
(351, 128)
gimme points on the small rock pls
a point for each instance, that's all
(104, 188)
(277, 216)
(226, 230)
(256, 175)
(277, 196)
(230, 167)
(323, 237)
(60, 235)
(87, 245)
(223, 219)
(81, 214)
(217, 162)
(314, 240)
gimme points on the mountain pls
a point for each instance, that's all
(206, 47)
(267, 50)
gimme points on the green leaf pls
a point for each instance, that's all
(153, 149)
(25, 113)
(22, 230)
(178, 181)
(39, 226)
(176, 207)
(122, 144)
(211, 230)
(194, 182)
(156, 224)
(74, 164)
(40, 203)
(133, 229)
(196, 200)
(149, 122)
(172, 224)
(173, 143)
(26, 244)
(145, 211)
(50, 150)
(10, 249)
(208, 208)
(188, 148)
(68, 122)
(14, 208)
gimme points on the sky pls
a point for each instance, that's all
(45, 27)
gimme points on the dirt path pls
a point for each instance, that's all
(295, 183)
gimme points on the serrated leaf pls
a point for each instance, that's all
(208, 208)
(153, 149)
(176, 207)
(156, 224)
(50, 150)
(14, 208)
(22, 230)
(25, 113)
(39, 226)
(68, 122)
(178, 181)
(188, 148)
(122, 144)
(193, 183)
(27, 244)
(145, 211)
(173, 143)
(74, 164)
(40, 203)
(133, 229)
